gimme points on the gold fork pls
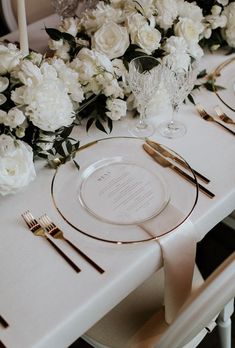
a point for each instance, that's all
(202, 112)
(37, 230)
(223, 116)
(57, 233)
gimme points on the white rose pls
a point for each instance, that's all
(16, 165)
(188, 29)
(4, 83)
(13, 118)
(148, 38)
(117, 108)
(111, 39)
(229, 31)
(10, 57)
(3, 99)
(223, 2)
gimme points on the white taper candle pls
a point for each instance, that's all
(22, 25)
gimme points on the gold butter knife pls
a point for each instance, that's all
(165, 163)
(168, 154)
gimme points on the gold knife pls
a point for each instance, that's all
(168, 154)
(165, 163)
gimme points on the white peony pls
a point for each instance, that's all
(229, 31)
(111, 39)
(10, 57)
(117, 108)
(46, 102)
(16, 165)
(13, 118)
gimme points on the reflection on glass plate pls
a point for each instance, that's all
(119, 189)
(226, 73)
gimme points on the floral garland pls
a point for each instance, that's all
(42, 99)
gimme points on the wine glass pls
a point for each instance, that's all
(65, 8)
(143, 78)
(178, 84)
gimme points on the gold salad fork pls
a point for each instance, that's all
(37, 230)
(57, 233)
(225, 118)
(202, 112)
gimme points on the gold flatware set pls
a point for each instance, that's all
(202, 112)
(44, 227)
(160, 155)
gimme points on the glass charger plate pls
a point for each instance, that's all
(226, 78)
(117, 189)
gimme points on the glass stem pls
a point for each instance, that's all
(175, 109)
(142, 124)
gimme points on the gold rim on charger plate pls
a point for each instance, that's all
(119, 242)
(216, 73)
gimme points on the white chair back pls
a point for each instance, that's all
(205, 304)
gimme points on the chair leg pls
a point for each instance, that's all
(224, 324)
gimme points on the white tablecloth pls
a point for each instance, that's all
(45, 302)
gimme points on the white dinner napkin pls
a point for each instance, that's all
(178, 252)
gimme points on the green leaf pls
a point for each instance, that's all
(202, 74)
(54, 34)
(69, 146)
(110, 125)
(89, 123)
(190, 97)
(67, 37)
(76, 164)
(100, 126)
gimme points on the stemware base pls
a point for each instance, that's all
(142, 131)
(172, 130)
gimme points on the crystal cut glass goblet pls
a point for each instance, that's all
(143, 78)
(179, 84)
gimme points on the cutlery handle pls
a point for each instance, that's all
(65, 257)
(81, 253)
(192, 181)
(199, 175)
(3, 322)
(222, 125)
